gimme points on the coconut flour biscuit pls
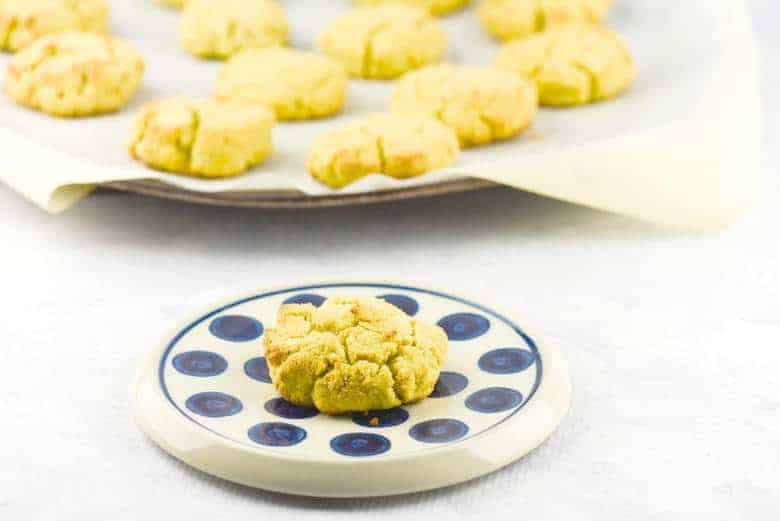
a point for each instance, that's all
(510, 19)
(435, 7)
(75, 74)
(202, 138)
(296, 84)
(398, 146)
(23, 21)
(353, 355)
(385, 41)
(572, 65)
(221, 29)
(481, 104)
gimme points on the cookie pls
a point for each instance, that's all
(571, 65)
(385, 41)
(398, 146)
(220, 30)
(75, 74)
(481, 104)
(24, 21)
(510, 19)
(353, 355)
(296, 84)
(202, 138)
(435, 7)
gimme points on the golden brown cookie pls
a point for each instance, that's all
(296, 84)
(220, 30)
(24, 21)
(202, 138)
(353, 355)
(384, 42)
(398, 146)
(75, 74)
(571, 65)
(481, 104)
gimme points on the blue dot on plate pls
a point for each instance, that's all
(507, 360)
(360, 444)
(388, 418)
(494, 399)
(213, 404)
(200, 363)
(236, 328)
(448, 384)
(464, 326)
(276, 434)
(406, 304)
(284, 409)
(439, 431)
(257, 369)
(306, 298)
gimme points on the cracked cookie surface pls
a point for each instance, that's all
(510, 19)
(75, 74)
(220, 30)
(481, 104)
(572, 65)
(202, 137)
(435, 7)
(296, 84)
(385, 41)
(24, 21)
(353, 355)
(398, 146)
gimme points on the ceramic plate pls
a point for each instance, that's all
(206, 397)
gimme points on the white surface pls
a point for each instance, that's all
(642, 154)
(672, 342)
(220, 446)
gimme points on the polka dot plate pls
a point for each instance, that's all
(206, 397)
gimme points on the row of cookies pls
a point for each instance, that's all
(473, 105)
(425, 131)
(238, 25)
(570, 65)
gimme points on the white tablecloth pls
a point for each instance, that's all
(672, 341)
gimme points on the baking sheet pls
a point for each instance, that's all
(679, 47)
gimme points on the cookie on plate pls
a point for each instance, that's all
(24, 21)
(221, 29)
(398, 146)
(385, 41)
(435, 7)
(481, 104)
(571, 65)
(296, 84)
(74, 74)
(510, 19)
(202, 137)
(353, 354)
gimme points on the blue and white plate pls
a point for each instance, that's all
(206, 397)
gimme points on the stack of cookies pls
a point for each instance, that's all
(553, 53)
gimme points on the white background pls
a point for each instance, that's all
(672, 341)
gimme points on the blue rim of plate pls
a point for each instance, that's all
(527, 339)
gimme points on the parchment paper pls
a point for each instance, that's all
(679, 148)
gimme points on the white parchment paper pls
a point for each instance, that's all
(680, 147)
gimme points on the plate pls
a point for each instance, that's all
(294, 200)
(205, 396)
